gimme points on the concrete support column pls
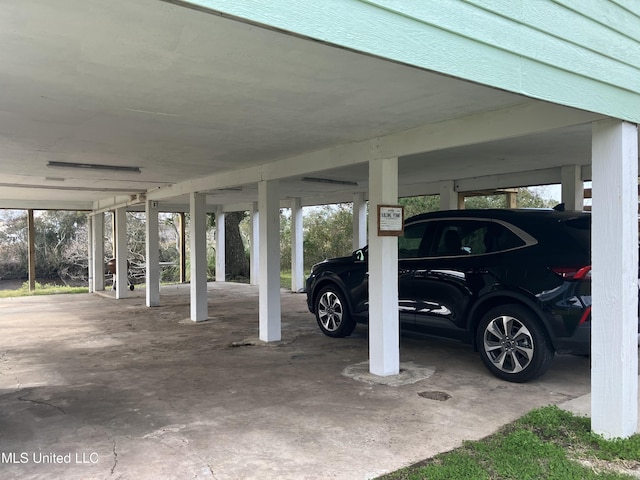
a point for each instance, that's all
(152, 254)
(359, 220)
(297, 246)
(384, 330)
(254, 253)
(449, 196)
(97, 248)
(220, 246)
(269, 228)
(614, 324)
(572, 187)
(198, 257)
(122, 251)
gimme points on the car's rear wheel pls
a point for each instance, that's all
(513, 344)
(332, 313)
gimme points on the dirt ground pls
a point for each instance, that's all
(113, 389)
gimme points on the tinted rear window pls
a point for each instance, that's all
(580, 230)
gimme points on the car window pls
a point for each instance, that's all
(409, 244)
(472, 237)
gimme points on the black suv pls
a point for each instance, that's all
(515, 284)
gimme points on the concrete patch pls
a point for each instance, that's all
(435, 395)
(409, 373)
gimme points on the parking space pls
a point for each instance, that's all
(91, 387)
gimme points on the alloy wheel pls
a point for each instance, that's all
(508, 343)
(330, 311)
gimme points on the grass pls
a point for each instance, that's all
(285, 279)
(46, 289)
(547, 443)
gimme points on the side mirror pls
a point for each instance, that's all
(359, 254)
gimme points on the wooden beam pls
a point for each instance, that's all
(32, 250)
(182, 246)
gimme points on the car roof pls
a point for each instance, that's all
(510, 215)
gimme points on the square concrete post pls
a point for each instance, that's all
(269, 206)
(152, 254)
(254, 247)
(97, 248)
(572, 187)
(614, 348)
(198, 256)
(297, 246)
(448, 196)
(122, 252)
(221, 254)
(359, 220)
(384, 329)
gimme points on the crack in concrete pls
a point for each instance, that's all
(211, 470)
(19, 385)
(39, 402)
(115, 457)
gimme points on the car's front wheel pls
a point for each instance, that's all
(513, 344)
(332, 313)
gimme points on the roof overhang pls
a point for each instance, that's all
(201, 102)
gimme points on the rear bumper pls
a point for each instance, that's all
(578, 344)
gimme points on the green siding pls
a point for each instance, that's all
(580, 53)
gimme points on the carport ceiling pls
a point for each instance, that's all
(182, 94)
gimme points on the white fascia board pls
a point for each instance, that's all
(515, 121)
(111, 203)
(547, 176)
(334, 157)
(523, 119)
(44, 205)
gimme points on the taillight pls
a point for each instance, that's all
(573, 273)
(585, 315)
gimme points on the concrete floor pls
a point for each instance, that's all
(131, 392)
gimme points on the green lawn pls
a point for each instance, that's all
(547, 443)
(46, 289)
(285, 279)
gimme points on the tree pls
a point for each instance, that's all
(420, 204)
(328, 232)
(236, 260)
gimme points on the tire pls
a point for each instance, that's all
(513, 344)
(332, 313)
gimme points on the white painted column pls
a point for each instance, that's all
(297, 246)
(572, 187)
(384, 334)
(448, 196)
(221, 254)
(614, 348)
(198, 256)
(152, 254)
(269, 228)
(122, 252)
(97, 247)
(254, 252)
(359, 220)
(90, 251)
